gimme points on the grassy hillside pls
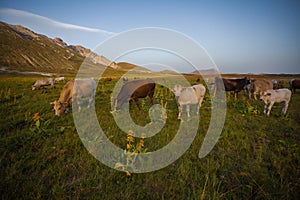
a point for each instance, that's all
(42, 156)
(128, 66)
(34, 52)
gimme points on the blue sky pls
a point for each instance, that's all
(240, 36)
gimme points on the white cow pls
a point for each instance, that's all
(43, 82)
(74, 90)
(189, 95)
(59, 79)
(276, 96)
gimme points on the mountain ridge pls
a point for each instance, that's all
(24, 50)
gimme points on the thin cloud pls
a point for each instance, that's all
(9, 14)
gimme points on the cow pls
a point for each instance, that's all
(189, 95)
(74, 90)
(59, 79)
(235, 85)
(133, 90)
(276, 96)
(294, 84)
(277, 84)
(42, 83)
(259, 86)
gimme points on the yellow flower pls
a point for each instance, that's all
(138, 148)
(36, 116)
(130, 137)
(128, 173)
(128, 146)
(141, 142)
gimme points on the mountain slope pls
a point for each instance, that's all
(24, 50)
(124, 66)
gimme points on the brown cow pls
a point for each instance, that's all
(259, 86)
(294, 84)
(74, 90)
(134, 90)
(277, 84)
(235, 85)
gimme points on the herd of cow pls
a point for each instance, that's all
(270, 92)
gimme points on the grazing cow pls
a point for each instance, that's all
(43, 82)
(294, 84)
(235, 85)
(189, 95)
(259, 86)
(133, 90)
(276, 96)
(277, 84)
(59, 79)
(74, 90)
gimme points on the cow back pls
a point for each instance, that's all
(67, 92)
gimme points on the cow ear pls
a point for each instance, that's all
(52, 102)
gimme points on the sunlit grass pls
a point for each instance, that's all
(42, 155)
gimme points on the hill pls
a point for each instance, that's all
(124, 66)
(24, 50)
(211, 71)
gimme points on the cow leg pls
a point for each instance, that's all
(130, 103)
(199, 105)
(285, 106)
(91, 101)
(269, 109)
(215, 90)
(235, 95)
(188, 110)
(151, 97)
(198, 108)
(137, 103)
(78, 103)
(254, 94)
(265, 108)
(179, 111)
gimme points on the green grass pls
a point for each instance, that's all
(256, 157)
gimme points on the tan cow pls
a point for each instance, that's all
(259, 86)
(43, 82)
(74, 90)
(189, 95)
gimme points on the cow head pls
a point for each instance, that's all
(177, 91)
(59, 107)
(264, 96)
(118, 102)
(33, 87)
(247, 80)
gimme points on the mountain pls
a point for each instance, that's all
(124, 66)
(167, 71)
(206, 72)
(25, 50)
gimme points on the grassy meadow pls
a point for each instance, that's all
(42, 156)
